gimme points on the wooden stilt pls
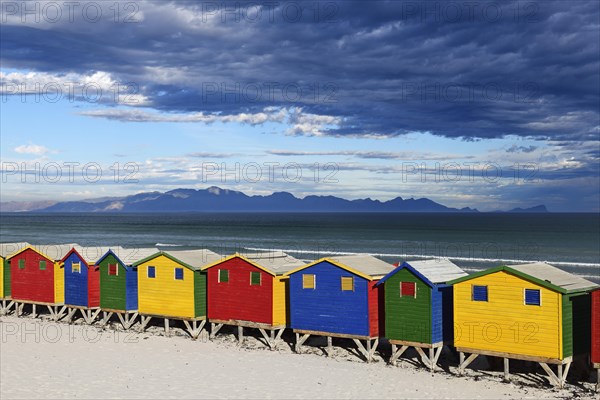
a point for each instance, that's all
(105, 317)
(33, 311)
(598, 380)
(240, 335)
(431, 358)
(167, 333)
(214, 329)
(194, 330)
(506, 370)
(465, 363)
(396, 353)
(551, 375)
(144, 322)
(300, 339)
(329, 346)
(361, 348)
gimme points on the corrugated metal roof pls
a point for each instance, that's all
(438, 270)
(555, 276)
(195, 258)
(8, 249)
(55, 251)
(366, 264)
(130, 255)
(277, 262)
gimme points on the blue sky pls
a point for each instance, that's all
(492, 108)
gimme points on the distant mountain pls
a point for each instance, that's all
(21, 206)
(537, 209)
(215, 199)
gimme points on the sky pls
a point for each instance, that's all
(483, 104)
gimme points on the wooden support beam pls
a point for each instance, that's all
(329, 346)
(424, 359)
(167, 333)
(437, 356)
(105, 317)
(551, 376)
(300, 339)
(70, 315)
(94, 314)
(598, 380)
(465, 363)
(506, 370)
(362, 350)
(396, 353)
(33, 311)
(214, 329)
(279, 333)
(373, 348)
(144, 322)
(240, 330)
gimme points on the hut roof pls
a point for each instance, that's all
(555, 276)
(542, 274)
(8, 249)
(272, 262)
(363, 265)
(193, 259)
(128, 256)
(53, 252)
(89, 253)
(432, 271)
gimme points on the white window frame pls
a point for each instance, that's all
(415, 285)
(78, 270)
(314, 277)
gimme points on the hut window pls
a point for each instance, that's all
(42, 265)
(21, 264)
(224, 275)
(308, 281)
(113, 270)
(408, 289)
(255, 278)
(347, 283)
(76, 267)
(533, 297)
(151, 272)
(480, 293)
(179, 274)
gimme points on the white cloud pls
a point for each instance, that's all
(98, 87)
(301, 123)
(32, 149)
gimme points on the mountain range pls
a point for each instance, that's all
(215, 199)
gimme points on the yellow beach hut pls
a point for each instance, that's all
(171, 285)
(534, 312)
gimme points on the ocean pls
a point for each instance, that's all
(472, 241)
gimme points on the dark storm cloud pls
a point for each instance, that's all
(457, 69)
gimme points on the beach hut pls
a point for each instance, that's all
(38, 279)
(338, 297)
(249, 291)
(171, 285)
(418, 307)
(596, 334)
(6, 250)
(534, 312)
(119, 285)
(82, 282)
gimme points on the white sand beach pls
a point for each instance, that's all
(43, 359)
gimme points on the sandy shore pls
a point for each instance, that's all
(43, 359)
